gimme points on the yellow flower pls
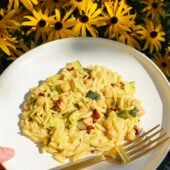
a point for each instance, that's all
(39, 23)
(20, 14)
(131, 38)
(153, 9)
(118, 19)
(167, 52)
(6, 24)
(60, 27)
(163, 63)
(21, 48)
(6, 21)
(89, 18)
(6, 42)
(79, 4)
(13, 4)
(51, 5)
(27, 3)
(102, 2)
(153, 35)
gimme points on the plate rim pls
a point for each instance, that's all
(144, 57)
(25, 55)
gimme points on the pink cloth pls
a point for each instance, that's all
(6, 154)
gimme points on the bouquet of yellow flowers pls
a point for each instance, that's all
(143, 25)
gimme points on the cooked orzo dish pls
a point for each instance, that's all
(80, 111)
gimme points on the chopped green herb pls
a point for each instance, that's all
(132, 86)
(93, 95)
(123, 114)
(134, 112)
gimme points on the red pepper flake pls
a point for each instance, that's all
(41, 94)
(137, 131)
(89, 128)
(117, 109)
(93, 151)
(89, 77)
(113, 84)
(122, 85)
(70, 69)
(56, 105)
(95, 115)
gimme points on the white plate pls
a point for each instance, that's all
(46, 60)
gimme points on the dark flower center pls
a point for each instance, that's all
(4, 4)
(58, 25)
(79, 0)
(55, 1)
(1, 17)
(42, 23)
(132, 11)
(163, 64)
(114, 20)
(153, 34)
(155, 5)
(84, 18)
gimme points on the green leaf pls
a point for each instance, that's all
(134, 112)
(93, 95)
(123, 114)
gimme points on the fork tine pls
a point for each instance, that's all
(143, 152)
(146, 139)
(140, 137)
(142, 144)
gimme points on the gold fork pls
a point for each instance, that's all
(126, 152)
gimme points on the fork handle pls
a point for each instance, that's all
(83, 163)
